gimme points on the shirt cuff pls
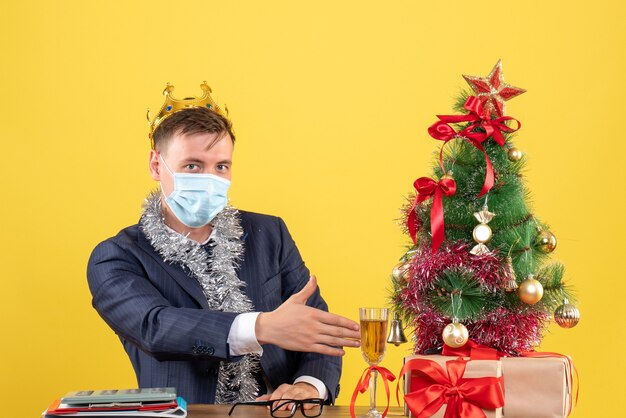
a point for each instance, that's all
(242, 337)
(318, 384)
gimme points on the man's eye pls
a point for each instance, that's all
(222, 167)
(191, 166)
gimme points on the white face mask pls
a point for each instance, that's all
(196, 198)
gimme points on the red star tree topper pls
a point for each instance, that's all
(493, 91)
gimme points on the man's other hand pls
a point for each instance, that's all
(300, 390)
(297, 327)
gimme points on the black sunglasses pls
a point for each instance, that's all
(314, 406)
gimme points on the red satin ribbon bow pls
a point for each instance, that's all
(432, 387)
(427, 187)
(364, 383)
(477, 118)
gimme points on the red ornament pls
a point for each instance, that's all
(493, 91)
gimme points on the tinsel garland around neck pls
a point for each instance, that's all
(216, 273)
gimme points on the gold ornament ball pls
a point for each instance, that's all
(447, 176)
(408, 256)
(455, 335)
(515, 154)
(546, 241)
(399, 271)
(567, 315)
(530, 291)
(482, 233)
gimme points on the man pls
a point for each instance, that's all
(208, 299)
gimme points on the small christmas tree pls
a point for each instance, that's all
(478, 265)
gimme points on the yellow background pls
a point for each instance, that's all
(330, 101)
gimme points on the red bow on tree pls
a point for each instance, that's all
(432, 387)
(427, 187)
(477, 118)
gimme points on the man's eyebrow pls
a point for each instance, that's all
(198, 161)
(192, 160)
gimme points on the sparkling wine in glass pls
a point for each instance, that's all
(373, 340)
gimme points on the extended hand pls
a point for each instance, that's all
(297, 327)
(300, 390)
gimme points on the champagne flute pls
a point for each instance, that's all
(373, 342)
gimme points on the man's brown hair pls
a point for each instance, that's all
(191, 121)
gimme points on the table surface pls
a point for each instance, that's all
(202, 411)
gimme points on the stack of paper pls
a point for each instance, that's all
(120, 403)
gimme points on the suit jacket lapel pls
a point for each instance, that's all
(189, 284)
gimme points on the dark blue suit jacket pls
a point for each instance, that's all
(162, 318)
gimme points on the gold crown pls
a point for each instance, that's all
(173, 105)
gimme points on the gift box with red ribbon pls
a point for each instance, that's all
(538, 385)
(451, 387)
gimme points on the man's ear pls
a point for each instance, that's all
(154, 164)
